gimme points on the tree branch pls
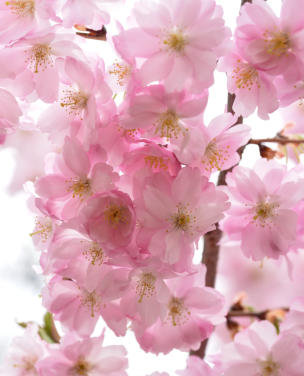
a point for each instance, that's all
(278, 140)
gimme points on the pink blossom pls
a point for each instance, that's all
(161, 114)
(79, 304)
(252, 87)
(171, 38)
(259, 351)
(263, 215)
(213, 148)
(109, 218)
(294, 321)
(85, 357)
(191, 310)
(25, 353)
(74, 180)
(270, 43)
(174, 213)
(19, 17)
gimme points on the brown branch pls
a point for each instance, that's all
(278, 140)
(262, 315)
(88, 33)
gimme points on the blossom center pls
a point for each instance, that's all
(265, 211)
(269, 367)
(39, 57)
(244, 75)
(43, 229)
(215, 156)
(145, 286)
(156, 162)
(21, 7)
(183, 218)
(116, 214)
(168, 125)
(175, 41)
(178, 314)
(92, 301)
(28, 364)
(121, 72)
(94, 254)
(79, 187)
(74, 101)
(82, 367)
(277, 43)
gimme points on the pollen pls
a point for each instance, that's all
(269, 367)
(43, 228)
(121, 72)
(79, 187)
(178, 314)
(74, 102)
(215, 156)
(92, 301)
(155, 162)
(183, 219)
(168, 125)
(175, 41)
(82, 368)
(245, 76)
(28, 364)
(39, 57)
(116, 214)
(264, 212)
(21, 8)
(277, 43)
(94, 254)
(145, 286)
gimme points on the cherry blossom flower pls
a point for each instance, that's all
(173, 214)
(19, 17)
(161, 114)
(77, 179)
(213, 148)
(269, 43)
(191, 311)
(259, 351)
(109, 218)
(25, 353)
(85, 357)
(252, 87)
(171, 38)
(263, 215)
(198, 367)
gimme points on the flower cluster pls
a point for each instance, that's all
(127, 190)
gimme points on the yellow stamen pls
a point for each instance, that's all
(245, 76)
(156, 162)
(176, 41)
(183, 219)
(168, 125)
(92, 301)
(264, 212)
(178, 314)
(79, 187)
(121, 71)
(277, 43)
(39, 57)
(116, 214)
(145, 286)
(94, 254)
(21, 8)
(74, 102)
(215, 156)
(43, 229)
